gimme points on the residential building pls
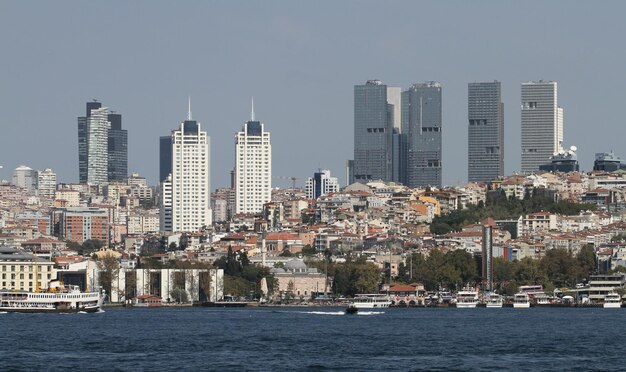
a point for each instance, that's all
(189, 198)
(46, 183)
(253, 167)
(321, 184)
(420, 152)
(542, 124)
(81, 223)
(485, 137)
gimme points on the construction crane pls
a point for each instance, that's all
(292, 178)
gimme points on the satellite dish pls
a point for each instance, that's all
(573, 148)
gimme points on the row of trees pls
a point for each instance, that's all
(498, 206)
(455, 269)
(241, 278)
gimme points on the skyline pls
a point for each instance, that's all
(148, 66)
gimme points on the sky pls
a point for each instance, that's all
(300, 61)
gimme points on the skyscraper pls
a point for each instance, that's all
(117, 149)
(102, 146)
(26, 178)
(542, 124)
(485, 137)
(185, 194)
(93, 140)
(165, 157)
(253, 167)
(374, 124)
(420, 152)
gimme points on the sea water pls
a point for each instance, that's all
(280, 339)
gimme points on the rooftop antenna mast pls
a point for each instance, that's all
(189, 109)
(252, 112)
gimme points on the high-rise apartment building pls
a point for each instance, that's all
(253, 167)
(117, 149)
(165, 157)
(185, 195)
(420, 153)
(46, 183)
(102, 146)
(376, 107)
(321, 184)
(542, 124)
(485, 136)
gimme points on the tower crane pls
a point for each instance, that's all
(292, 178)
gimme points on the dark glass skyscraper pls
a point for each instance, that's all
(165, 157)
(485, 136)
(373, 133)
(420, 153)
(117, 149)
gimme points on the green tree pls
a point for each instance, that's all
(179, 295)
(587, 260)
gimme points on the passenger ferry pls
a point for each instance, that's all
(521, 301)
(368, 301)
(612, 301)
(58, 298)
(466, 298)
(494, 301)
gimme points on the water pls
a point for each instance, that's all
(315, 339)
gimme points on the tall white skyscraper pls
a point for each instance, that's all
(253, 167)
(186, 193)
(542, 124)
(93, 145)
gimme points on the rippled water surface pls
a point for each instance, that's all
(316, 339)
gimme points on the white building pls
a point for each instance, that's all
(542, 124)
(321, 184)
(46, 183)
(186, 193)
(26, 178)
(93, 145)
(253, 167)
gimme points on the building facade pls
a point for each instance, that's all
(93, 144)
(22, 271)
(420, 152)
(117, 149)
(321, 184)
(253, 167)
(542, 124)
(373, 132)
(189, 198)
(81, 223)
(46, 183)
(25, 178)
(485, 140)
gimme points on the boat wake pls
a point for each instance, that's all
(370, 312)
(325, 312)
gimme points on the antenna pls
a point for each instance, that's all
(252, 112)
(189, 109)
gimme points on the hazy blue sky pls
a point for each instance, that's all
(300, 61)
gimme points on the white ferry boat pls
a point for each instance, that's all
(521, 300)
(368, 301)
(466, 298)
(494, 301)
(57, 299)
(612, 301)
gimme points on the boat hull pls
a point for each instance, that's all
(44, 310)
(494, 306)
(612, 305)
(525, 305)
(466, 305)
